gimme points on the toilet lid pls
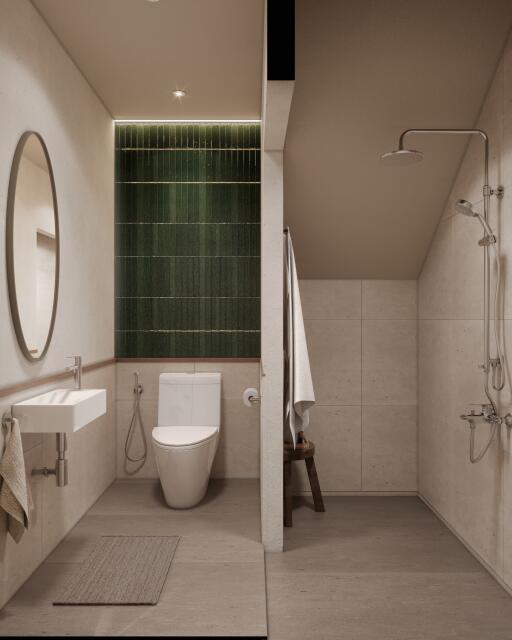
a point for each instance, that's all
(182, 436)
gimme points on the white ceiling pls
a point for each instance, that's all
(134, 52)
(366, 70)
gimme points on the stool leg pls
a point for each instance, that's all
(287, 468)
(315, 484)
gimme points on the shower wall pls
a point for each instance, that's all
(362, 345)
(475, 500)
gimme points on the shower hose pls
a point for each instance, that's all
(136, 419)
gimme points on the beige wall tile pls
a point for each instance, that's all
(449, 354)
(389, 362)
(476, 507)
(467, 287)
(330, 299)
(336, 432)
(334, 346)
(467, 356)
(149, 373)
(386, 299)
(472, 497)
(236, 376)
(502, 221)
(238, 455)
(435, 411)
(505, 396)
(149, 414)
(507, 510)
(335, 355)
(389, 448)
(435, 284)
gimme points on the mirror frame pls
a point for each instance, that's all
(9, 247)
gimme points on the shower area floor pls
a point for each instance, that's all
(215, 586)
(380, 568)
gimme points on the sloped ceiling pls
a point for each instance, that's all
(366, 70)
(135, 52)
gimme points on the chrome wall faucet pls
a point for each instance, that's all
(76, 368)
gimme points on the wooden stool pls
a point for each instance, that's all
(303, 451)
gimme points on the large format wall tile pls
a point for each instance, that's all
(335, 354)
(435, 411)
(330, 299)
(336, 432)
(149, 414)
(389, 362)
(389, 299)
(238, 454)
(467, 264)
(339, 314)
(435, 284)
(236, 376)
(149, 373)
(187, 240)
(389, 448)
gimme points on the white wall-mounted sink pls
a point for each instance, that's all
(60, 410)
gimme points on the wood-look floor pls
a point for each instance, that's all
(382, 568)
(366, 569)
(215, 586)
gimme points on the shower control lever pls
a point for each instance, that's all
(486, 414)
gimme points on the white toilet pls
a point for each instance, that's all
(186, 438)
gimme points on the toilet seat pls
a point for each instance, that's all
(183, 436)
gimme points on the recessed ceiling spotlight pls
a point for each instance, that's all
(179, 93)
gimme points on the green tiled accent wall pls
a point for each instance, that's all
(187, 240)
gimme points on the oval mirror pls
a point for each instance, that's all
(32, 246)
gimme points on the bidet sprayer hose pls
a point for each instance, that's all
(141, 460)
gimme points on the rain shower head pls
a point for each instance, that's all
(402, 157)
(466, 208)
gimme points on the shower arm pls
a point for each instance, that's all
(487, 191)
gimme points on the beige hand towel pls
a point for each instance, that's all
(14, 495)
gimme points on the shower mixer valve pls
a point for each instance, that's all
(486, 414)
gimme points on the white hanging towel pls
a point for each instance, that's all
(299, 392)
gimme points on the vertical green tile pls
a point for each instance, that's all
(172, 273)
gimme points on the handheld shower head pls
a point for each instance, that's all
(466, 208)
(402, 157)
